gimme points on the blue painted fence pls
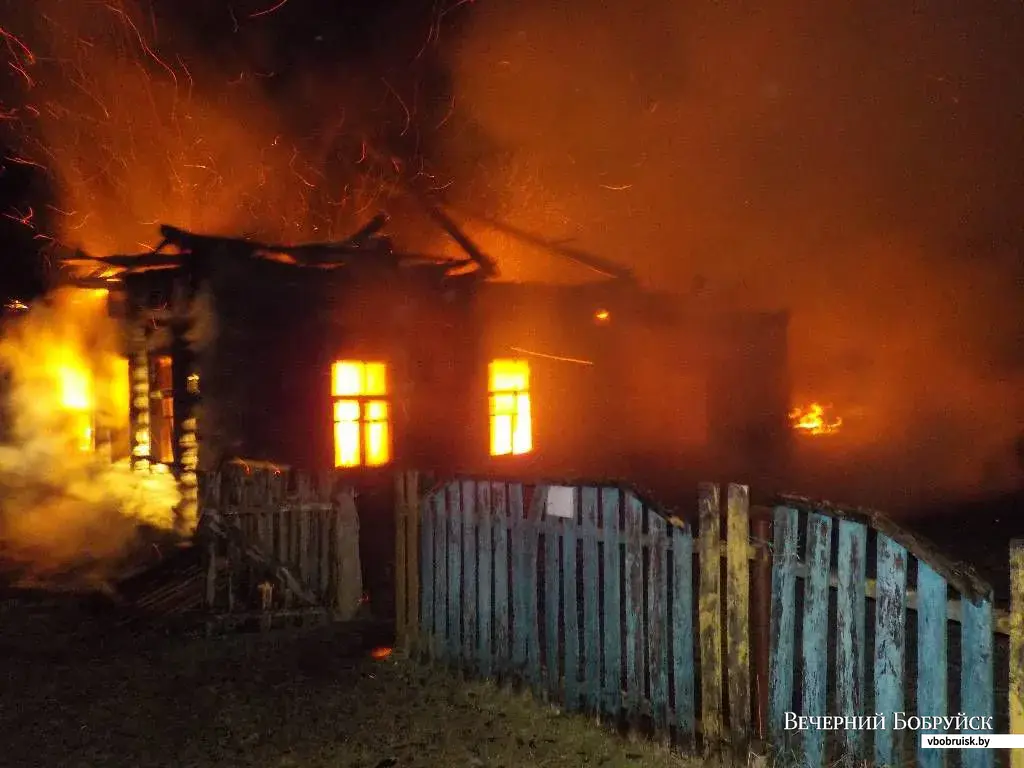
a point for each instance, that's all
(597, 599)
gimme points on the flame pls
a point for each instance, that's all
(381, 653)
(815, 419)
(361, 425)
(602, 316)
(64, 497)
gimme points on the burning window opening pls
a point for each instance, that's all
(602, 316)
(509, 390)
(161, 410)
(362, 425)
(815, 419)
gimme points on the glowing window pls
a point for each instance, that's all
(509, 390)
(362, 420)
(161, 409)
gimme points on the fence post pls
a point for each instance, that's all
(738, 612)
(709, 615)
(401, 562)
(1017, 646)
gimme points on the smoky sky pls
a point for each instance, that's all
(860, 164)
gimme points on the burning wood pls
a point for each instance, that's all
(815, 419)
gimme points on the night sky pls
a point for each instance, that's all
(860, 164)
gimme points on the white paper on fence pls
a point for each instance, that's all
(561, 501)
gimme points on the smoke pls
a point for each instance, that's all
(64, 506)
(857, 164)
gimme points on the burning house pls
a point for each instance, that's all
(355, 356)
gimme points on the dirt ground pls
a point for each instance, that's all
(75, 693)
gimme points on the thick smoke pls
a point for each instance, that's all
(858, 164)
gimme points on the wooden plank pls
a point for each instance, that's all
(657, 622)
(890, 631)
(428, 628)
(412, 554)
(552, 607)
(485, 585)
(520, 579)
(709, 616)
(591, 608)
(502, 634)
(977, 682)
(469, 572)
(634, 610)
(401, 562)
(815, 633)
(454, 646)
(440, 573)
(570, 615)
(932, 696)
(612, 631)
(538, 502)
(783, 624)
(1016, 650)
(738, 635)
(683, 693)
(851, 620)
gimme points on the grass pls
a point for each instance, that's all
(73, 693)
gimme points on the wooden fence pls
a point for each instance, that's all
(286, 541)
(601, 601)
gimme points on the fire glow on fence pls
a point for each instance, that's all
(511, 425)
(362, 433)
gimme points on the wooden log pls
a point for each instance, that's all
(709, 617)
(890, 634)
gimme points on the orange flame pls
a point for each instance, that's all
(815, 419)
(381, 653)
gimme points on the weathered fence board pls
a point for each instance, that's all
(738, 613)
(709, 615)
(470, 573)
(454, 572)
(502, 634)
(634, 607)
(428, 627)
(1016, 654)
(850, 628)
(485, 587)
(783, 623)
(683, 689)
(890, 633)
(591, 609)
(612, 632)
(815, 632)
(552, 603)
(570, 616)
(441, 584)
(931, 645)
(657, 629)
(977, 691)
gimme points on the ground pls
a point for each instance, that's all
(74, 692)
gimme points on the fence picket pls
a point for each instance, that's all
(977, 683)
(682, 636)
(890, 629)
(530, 552)
(931, 655)
(454, 647)
(1016, 694)
(709, 615)
(485, 585)
(552, 607)
(428, 628)
(612, 631)
(815, 632)
(783, 623)
(737, 623)
(502, 636)
(591, 610)
(469, 572)
(519, 580)
(570, 616)
(440, 574)
(851, 621)
(657, 629)
(634, 608)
